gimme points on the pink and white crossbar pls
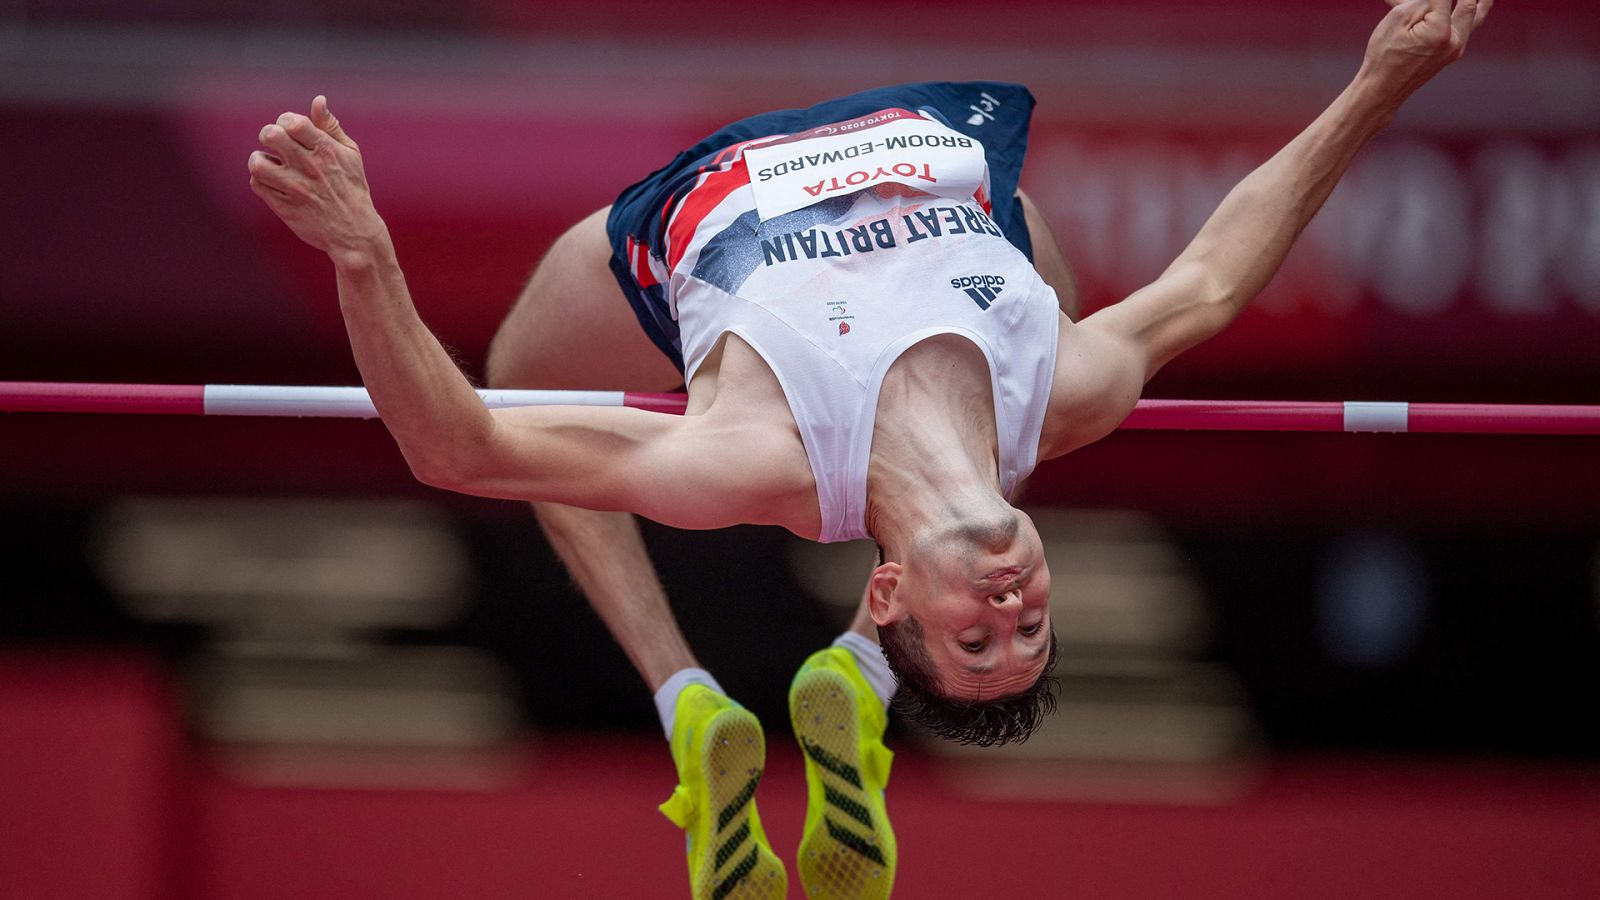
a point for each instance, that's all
(1161, 415)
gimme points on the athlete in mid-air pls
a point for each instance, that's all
(877, 338)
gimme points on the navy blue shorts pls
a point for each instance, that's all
(995, 114)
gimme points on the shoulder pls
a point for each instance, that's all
(1098, 378)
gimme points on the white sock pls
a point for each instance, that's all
(869, 658)
(667, 694)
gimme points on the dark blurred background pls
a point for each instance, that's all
(251, 657)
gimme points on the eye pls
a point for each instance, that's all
(1031, 630)
(972, 646)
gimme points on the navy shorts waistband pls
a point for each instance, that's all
(996, 114)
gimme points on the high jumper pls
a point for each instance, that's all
(877, 335)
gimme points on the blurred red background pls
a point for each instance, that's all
(1460, 261)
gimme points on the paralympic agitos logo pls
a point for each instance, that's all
(983, 289)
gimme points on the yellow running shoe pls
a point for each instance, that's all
(848, 849)
(720, 752)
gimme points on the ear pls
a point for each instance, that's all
(882, 602)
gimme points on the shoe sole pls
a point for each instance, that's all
(849, 851)
(741, 866)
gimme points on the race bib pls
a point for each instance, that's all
(891, 145)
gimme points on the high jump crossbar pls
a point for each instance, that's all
(1160, 415)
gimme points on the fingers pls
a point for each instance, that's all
(267, 193)
(301, 154)
(321, 116)
(291, 135)
(267, 171)
(1483, 11)
(1408, 12)
(324, 120)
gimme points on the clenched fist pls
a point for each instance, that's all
(1417, 39)
(310, 174)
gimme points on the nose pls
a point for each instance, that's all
(1011, 598)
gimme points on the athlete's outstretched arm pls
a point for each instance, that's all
(1243, 243)
(311, 174)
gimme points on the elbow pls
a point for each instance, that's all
(441, 458)
(1214, 295)
(1223, 305)
(436, 473)
(1206, 302)
(1219, 295)
(448, 471)
(1213, 285)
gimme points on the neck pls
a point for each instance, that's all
(933, 461)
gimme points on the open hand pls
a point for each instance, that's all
(1418, 38)
(311, 175)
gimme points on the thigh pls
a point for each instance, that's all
(572, 328)
(1048, 258)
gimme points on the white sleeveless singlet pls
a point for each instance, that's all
(833, 293)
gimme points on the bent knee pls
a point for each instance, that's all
(569, 295)
(512, 361)
(1049, 258)
(499, 366)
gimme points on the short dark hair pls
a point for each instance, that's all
(987, 723)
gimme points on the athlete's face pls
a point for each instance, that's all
(982, 596)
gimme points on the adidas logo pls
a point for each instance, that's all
(839, 798)
(981, 288)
